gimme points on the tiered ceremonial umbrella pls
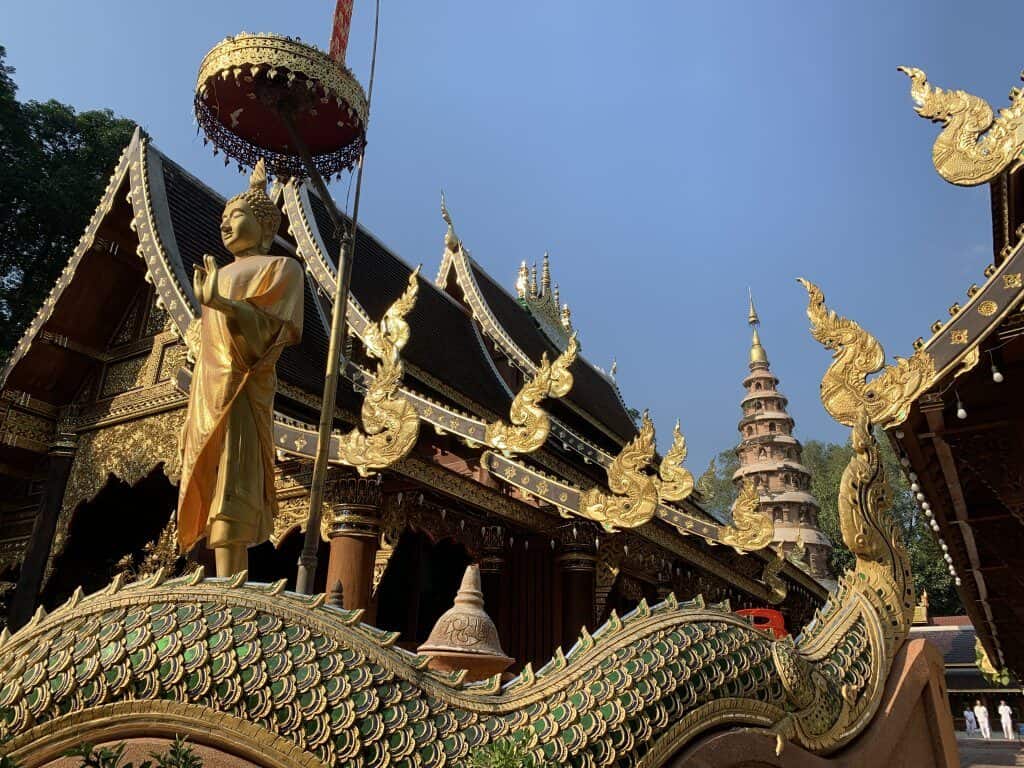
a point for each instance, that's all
(302, 111)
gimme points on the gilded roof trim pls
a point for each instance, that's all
(957, 341)
(85, 242)
(157, 245)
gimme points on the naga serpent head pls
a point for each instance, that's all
(919, 87)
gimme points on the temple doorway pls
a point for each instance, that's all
(118, 522)
(626, 594)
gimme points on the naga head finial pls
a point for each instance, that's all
(919, 87)
(451, 240)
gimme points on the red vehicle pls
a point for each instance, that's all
(767, 619)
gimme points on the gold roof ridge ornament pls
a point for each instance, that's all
(543, 302)
(961, 154)
(529, 423)
(634, 494)
(451, 240)
(845, 390)
(676, 480)
(390, 422)
(750, 528)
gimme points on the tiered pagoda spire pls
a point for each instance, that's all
(771, 457)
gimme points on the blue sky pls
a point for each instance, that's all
(667, 154)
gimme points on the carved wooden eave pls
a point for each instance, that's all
(931, 440)
(34, 334)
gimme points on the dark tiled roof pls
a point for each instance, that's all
(955, 643)
(591, 392)
(443, 342)
(195, 216)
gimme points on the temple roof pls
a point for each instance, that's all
(164, 219)
(594, 406)
(444, 343)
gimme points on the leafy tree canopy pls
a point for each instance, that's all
(55, 165)
(826, 462)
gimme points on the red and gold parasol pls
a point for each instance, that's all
(276, 97)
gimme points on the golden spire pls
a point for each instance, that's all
(757, 353)
(523, 281)
(545, 277)
(533, 281)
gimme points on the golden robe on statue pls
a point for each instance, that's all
(227, 478)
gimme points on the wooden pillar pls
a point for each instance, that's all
(37, 553)
(493, 579)
(353, 531)
(576, 565)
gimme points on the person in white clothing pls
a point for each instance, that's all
(1005, 719)
(969, 722)
(981, 714)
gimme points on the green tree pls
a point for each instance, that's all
(55, 165)
(716, 486)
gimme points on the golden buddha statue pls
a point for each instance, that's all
(251, 310)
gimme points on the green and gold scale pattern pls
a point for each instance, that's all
(339, 690)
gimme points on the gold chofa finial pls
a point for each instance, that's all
(757, 353)
(451, 240)
(523, 281)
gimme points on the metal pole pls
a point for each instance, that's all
(308, 559)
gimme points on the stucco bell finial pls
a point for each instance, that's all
(465, 637)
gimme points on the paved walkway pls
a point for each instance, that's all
(997, 751)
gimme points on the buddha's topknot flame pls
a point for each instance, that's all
(262, 207)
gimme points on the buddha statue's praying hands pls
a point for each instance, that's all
(251, 309)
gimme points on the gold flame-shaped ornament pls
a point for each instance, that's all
(975, 146)
(845, 390)
(530, 424)
(390, 422)
(750, 528)
(676, 480)
(634, 494)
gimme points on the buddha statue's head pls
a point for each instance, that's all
(251, 219)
